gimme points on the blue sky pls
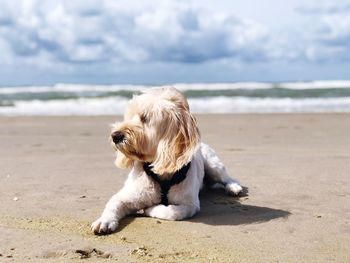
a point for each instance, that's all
(152, 42)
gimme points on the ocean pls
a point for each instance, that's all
(245, 97)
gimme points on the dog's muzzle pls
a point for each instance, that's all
(117, 137)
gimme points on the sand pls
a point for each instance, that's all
(56, 174)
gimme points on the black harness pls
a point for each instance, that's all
(166, 184)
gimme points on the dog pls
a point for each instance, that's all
(160, 141)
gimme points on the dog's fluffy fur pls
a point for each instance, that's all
(158, 128)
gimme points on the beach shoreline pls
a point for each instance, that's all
(57, 174)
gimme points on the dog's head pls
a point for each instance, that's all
(157, 128)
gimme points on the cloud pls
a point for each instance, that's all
(82, 32)
(91, 38)
(323, 9)
(330, 40)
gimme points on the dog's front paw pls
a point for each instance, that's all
(104, 225)
(233, 188)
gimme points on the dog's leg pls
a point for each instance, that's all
(171, 212)
(216, 171)
(115, 209)
(128, 200)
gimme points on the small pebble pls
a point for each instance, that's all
(83, 196)
(15, 198)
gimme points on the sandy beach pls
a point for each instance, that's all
(56, 174)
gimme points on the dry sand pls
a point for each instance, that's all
(57, 173)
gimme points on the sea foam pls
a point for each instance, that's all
(252, 97)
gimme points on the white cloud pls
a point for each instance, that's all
(330, 40)
(94, 31)
(84, 36)
(337, 26)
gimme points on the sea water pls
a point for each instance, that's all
(252, 97)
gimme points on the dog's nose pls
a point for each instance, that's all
(117, 137)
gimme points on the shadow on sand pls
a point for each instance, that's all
(217, 208)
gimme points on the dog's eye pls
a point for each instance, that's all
(143, 118)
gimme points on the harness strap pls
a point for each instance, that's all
(166, 184)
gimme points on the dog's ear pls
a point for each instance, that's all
(179, 143)
(122, 161)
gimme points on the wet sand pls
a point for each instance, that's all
(56, 174)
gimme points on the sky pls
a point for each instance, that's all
(156, 42)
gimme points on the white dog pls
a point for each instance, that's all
(160, 142)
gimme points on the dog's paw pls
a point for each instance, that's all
(163, 212)
(104, 225)
(159, 211)
(233, 188)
